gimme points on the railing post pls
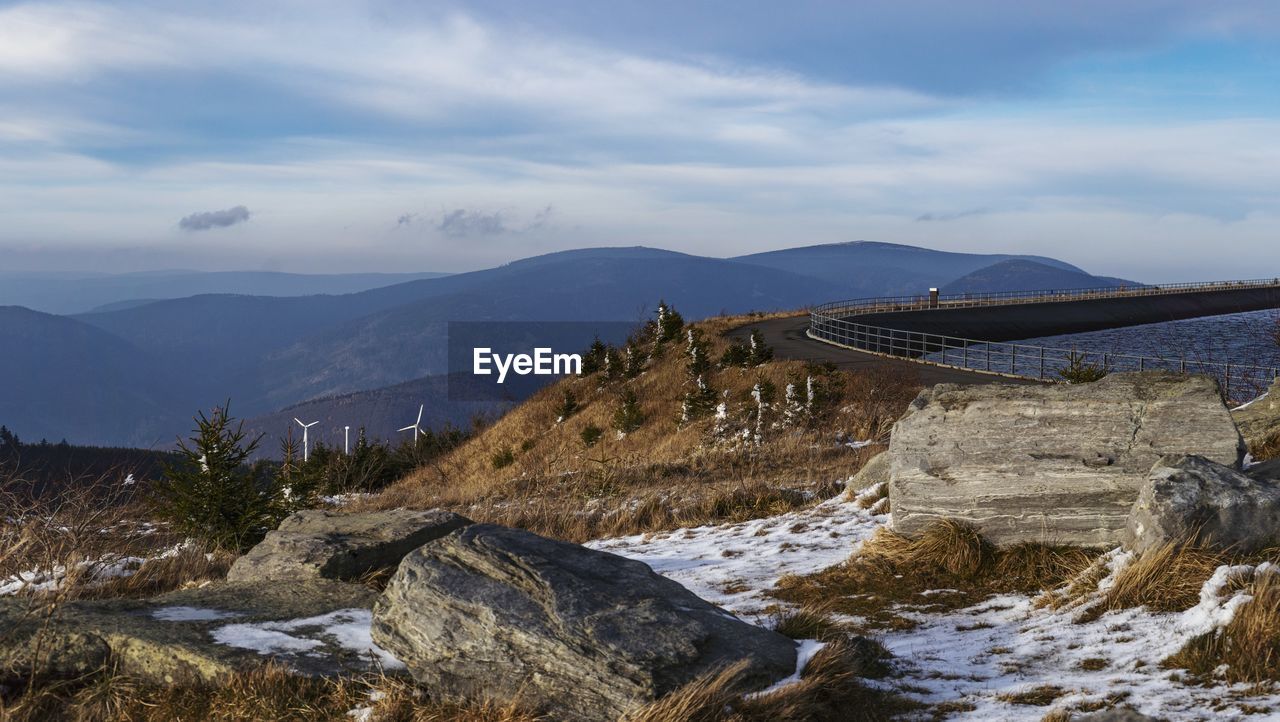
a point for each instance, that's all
(1013, 361)
(1042, 363)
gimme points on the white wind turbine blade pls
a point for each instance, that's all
(420, 408)
(299, 422)
(406, 428)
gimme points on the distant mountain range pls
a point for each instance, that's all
(136, 372)
(67, 293)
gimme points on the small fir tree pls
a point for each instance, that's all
(760, 352)
(590, 435)
(568, 406)
(593, 360)
(211, 494)
(627, 417)
(632, 362)
(699, 353)
(699, 402)
(670, 323)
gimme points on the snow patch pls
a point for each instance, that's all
(346, 628)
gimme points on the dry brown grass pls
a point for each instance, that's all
(270, 692)
(831, 687)
(1041, 696)
(664, 474)
(90, 539)
(1267, 450)
(892, 573)
(1163, 579)
(1249, 645)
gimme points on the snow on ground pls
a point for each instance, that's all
(347, 628)
(974, 656)
(109, 566)
(732, 565)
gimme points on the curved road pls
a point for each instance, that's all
(788, 339)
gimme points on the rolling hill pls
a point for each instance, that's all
(869, 268)
(1023, 275)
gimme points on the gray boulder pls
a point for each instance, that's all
(1260, 421)
(1058, 463)
(1188, 498)
(875, 471)
(318, 544)
(506, 614)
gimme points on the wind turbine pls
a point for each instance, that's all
(306, 450)
(416, 426)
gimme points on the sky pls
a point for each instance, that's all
(1138, 139)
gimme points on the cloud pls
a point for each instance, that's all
(956, 215)
(214, 219)
(462, 223)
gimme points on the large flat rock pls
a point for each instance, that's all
(1059, 464)
(317, 627)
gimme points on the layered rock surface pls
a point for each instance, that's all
(503, 613)
(318, 544)
(1059, 464)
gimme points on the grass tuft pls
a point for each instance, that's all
(1249, 645)
(948, 566)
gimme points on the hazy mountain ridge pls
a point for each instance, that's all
(166, 359)
(85, 293)
(1023, 275)
(872, 268)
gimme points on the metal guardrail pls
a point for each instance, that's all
(1008, 298)
(831, 323)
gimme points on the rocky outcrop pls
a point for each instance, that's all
(326, 545)
(200, 634)
(1191, 499)
(505, 614)
(1259, 421)
(1049, 463)
(875, 471)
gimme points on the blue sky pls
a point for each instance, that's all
(1138, 138)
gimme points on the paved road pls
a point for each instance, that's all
(786, 336)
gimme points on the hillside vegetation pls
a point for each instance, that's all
(658, 446)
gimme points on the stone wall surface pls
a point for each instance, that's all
(1060, 464)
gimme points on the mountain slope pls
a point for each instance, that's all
(1021, 275)
(66, 379)
(382, 412)
(867, 268)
